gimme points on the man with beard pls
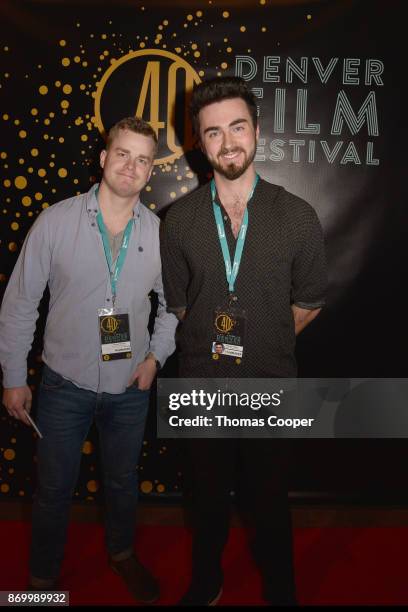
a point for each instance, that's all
(243, 264)
(99, 253)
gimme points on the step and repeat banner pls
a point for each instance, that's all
(328, 77)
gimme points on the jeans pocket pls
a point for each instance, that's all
(52, 380)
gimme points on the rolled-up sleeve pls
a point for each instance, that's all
(309, 270)
(19, 311)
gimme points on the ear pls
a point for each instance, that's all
(102, 158)
(257, 132)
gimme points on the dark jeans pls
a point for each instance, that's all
(260, 469)
(65, 414)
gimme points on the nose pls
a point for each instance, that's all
(227, 141)
(130, 163)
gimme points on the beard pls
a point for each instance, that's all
(232, 170)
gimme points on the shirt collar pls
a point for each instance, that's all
(92, 204)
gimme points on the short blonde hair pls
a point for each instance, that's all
(133, 124)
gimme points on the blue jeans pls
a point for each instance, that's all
(65, 414)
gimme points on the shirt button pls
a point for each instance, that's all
(225, 217)
(93, 224)
(107, 299)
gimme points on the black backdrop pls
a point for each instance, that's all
(329, 78)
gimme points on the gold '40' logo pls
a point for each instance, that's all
(224, 323)
(109, 325)
(155, 85)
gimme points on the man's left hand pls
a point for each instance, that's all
(144, 374)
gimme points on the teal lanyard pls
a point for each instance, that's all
(114, 269)
(231, 270)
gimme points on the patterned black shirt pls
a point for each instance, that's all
(283, 262)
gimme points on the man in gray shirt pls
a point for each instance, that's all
(99, 254)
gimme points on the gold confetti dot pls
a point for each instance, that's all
(62, 172)
(22, 133)
(225, 14)
(7, 183)
(42, 172)
(21, 493)
(26, 201)
(201, 73)
(199, 13)
(84, 137)
(4, 488)
(309, 17)
(194, 46)
(152, 206)
(87, 448)
(44, 205)
(92, 486)
(43, 89)
(34, 152)
(224, 65)
(65, 61)
(189, 18)
(77, 59)
(263, 29)
(34, 111)
(9, 454)
(5, 117)
(15, 226)
(20, 182)
(148, 188)
(173, 194)
(197, 54)
(38, 196)
(67, 89)
(146, 486)
(262, 1)
(62, 43)
(64, 103)
(243, 29)
(160, 488)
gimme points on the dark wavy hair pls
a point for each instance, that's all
(216, 90)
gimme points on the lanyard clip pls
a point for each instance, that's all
(233, 299)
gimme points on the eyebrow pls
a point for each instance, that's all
(235, 122)
(127, 151)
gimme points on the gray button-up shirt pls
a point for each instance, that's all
(64, 249)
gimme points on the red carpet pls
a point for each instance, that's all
(334, 566)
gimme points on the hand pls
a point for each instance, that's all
(144, 374)
(16, 399)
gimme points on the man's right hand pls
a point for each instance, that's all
(16, 400)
